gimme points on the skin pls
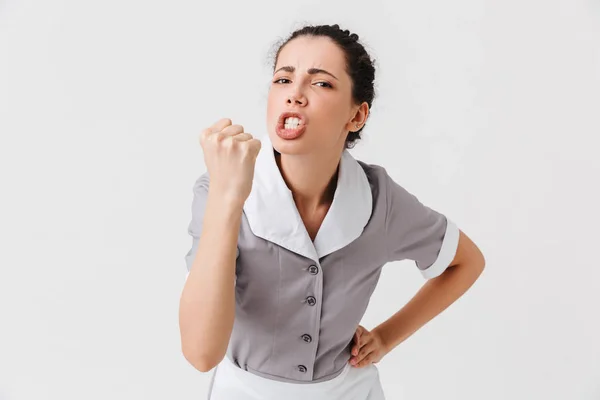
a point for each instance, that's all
(309, 164)
(431, 299)
(309, 167)
(207, 303)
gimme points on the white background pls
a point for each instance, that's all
(488, 111)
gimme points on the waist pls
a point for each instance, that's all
(257, 376)
(229, 378)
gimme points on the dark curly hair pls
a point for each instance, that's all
(359, 65)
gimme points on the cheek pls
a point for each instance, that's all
(329, 115)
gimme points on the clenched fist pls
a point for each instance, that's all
(230, 155)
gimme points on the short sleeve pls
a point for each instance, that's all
(200, 190)
(417, 232)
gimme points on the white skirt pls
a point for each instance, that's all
(229, 382)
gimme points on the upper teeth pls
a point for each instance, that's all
(292, 121)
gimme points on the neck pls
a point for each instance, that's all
(312, 178)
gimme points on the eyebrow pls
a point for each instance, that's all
(311, 71)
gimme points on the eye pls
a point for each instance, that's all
(280, 79)
(325, 83)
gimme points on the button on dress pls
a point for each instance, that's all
(298, 301)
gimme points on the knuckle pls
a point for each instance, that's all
(227, 141)
(205, 134)
(223, 122)
(233, 127)
(243, 137)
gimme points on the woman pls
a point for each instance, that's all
(290, 233)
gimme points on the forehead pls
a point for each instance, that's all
(312, 52)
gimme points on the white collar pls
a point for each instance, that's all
(272, 213)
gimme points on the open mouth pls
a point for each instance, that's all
(291, 126)
(291, 120)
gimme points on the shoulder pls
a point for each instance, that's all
(376, 174)
(391, 197)
(382, 184)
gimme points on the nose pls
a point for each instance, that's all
(296, 98)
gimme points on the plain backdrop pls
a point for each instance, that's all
(488, 111)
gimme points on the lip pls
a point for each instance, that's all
(289, 114)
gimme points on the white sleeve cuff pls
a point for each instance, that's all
(446, 254)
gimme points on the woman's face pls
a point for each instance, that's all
(323, 100)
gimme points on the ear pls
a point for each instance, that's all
(360, 117)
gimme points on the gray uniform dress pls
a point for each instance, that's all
(299, 302)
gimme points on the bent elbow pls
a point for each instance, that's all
(203, 365)
(202, 362)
